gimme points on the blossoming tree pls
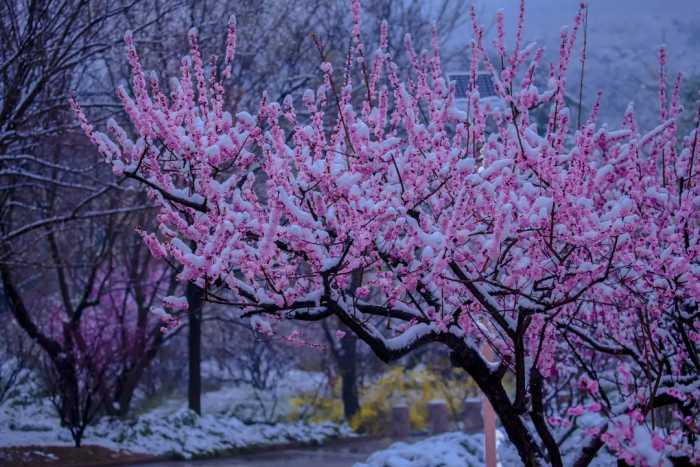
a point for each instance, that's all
(99, 339)
(572, 253)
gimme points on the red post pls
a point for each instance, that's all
(489, 417)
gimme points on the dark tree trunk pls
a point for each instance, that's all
(345, 357)
(347, 364)
(78, 436)
(62, 359)
(68, 396)
(490, 384)
(195, 300)
(130, 379)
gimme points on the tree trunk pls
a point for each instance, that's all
(130, 379)
(347, 364)
(121, 405)
(492, 388)
(69, 395)
(62, 359)
(195, 300)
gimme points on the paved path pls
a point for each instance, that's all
(340, 454)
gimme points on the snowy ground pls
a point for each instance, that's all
(447, 450)
(28, 418)
(463, 450)
(247, 403)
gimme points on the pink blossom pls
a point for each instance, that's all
(593, 407)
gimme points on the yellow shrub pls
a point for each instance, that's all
(415, 388)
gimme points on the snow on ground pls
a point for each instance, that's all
(187, 435)
(250, 404)
(27, 417)
(446, 450)
(467, 450)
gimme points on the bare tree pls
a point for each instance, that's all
(59, 219)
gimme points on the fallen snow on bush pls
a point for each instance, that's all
(27, 417)
(464, 450)
(186, 434)
(446, 450)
